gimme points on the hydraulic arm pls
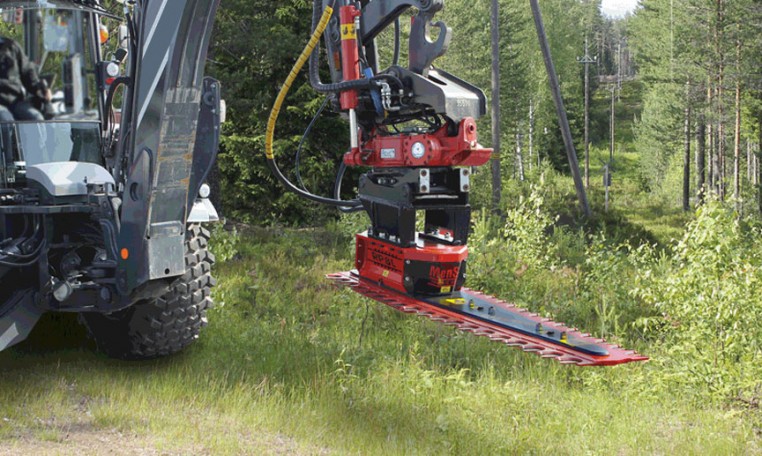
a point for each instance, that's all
(414, 129)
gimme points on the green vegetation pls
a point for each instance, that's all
(289, 364)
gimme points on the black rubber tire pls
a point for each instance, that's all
(163, 326)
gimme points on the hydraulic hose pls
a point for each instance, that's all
(397, 42)
(298, 156)
(337, 191)
(270, 135)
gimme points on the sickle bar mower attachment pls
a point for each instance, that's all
(484, 315)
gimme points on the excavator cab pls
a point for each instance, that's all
(64, 42)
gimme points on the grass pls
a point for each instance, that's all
(288, 364)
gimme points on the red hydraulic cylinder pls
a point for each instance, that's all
(350, 54)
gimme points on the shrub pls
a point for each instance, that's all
(710, 294)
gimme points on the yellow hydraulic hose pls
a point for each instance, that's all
(321, 26)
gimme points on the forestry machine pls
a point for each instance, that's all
(101, 207)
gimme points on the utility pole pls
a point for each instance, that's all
(618, 68)
(563, 120)
(495, 164)
(611, 125)
(607, 182)
(587, 60)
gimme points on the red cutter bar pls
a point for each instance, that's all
(487, 316)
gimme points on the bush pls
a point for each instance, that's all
(710, 293)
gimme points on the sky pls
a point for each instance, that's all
(618, 8)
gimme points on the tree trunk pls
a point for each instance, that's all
(720, 101)
(710, 137)
(721, 162)
(701, 158)
(531, 137)
(749, 162)
(737, 131)
(496, 122)
(519, 158)
(716, 161)
(759, 158)
(687, 160)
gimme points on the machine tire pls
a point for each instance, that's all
(163, 326)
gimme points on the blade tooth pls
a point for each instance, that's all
(548, 353)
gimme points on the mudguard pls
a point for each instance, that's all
(17, 318)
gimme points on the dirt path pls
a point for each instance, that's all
(83, 439)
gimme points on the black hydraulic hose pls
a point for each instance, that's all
(31, 258)
(112, 92)
(33, 255)
(318, 199)
(337, 191)
(397, 42)
(301, 143)
(31, 262)
(314, 62)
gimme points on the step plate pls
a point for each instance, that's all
(487, 316)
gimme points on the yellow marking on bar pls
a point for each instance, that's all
(348, 32)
